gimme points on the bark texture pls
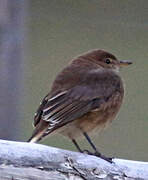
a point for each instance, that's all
(26, 161)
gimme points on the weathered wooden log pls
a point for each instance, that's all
(26, 161)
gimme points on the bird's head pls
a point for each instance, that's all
(105, 60)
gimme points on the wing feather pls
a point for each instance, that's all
(64, 107)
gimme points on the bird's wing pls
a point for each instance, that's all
(68, 105)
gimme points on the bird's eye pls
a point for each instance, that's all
(108, 61)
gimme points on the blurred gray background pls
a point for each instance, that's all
(51, 34)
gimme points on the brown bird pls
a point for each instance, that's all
(86, 95)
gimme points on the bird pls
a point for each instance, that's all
(85, 97)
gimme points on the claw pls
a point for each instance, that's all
(109, 159)
(87, 152)
(97, 154)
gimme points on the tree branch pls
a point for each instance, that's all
(27, 161)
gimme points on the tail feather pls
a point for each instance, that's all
(38, 133)
(34, 138)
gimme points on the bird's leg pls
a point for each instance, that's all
(79, 149)
(77, 146)
(97, 153)
(90, 142)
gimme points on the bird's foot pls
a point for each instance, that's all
(98, 154)
(87, 152)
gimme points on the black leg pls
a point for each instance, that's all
(79, 149)
(97, 153)
(77, 146)
(90, 142)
